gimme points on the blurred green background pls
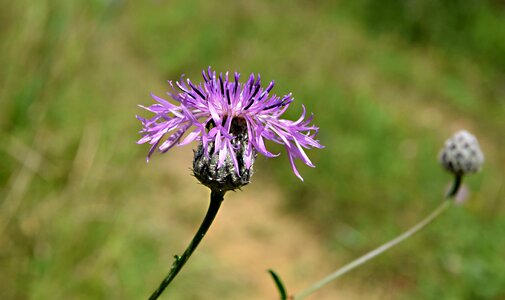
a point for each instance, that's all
(83, 217)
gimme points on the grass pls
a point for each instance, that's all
(83, 217)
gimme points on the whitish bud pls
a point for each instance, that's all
(461, 154)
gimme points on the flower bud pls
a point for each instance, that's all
(461, 154)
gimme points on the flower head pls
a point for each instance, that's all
(461, 154)
(228, 118)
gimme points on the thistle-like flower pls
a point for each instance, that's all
(461, 154)
(231, 120)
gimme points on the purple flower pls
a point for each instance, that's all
(209, 111)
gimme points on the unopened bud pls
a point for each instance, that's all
(461, 154)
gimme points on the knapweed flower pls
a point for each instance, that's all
(461, 154)
(231, 120)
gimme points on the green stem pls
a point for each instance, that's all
(456, 184)
(361, 260)
(216, 197)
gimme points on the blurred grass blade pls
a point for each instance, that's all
(278, 283)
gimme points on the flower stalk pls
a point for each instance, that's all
(216, 198)
(377, 251)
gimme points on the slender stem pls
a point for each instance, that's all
(216, 197)
(456, 184)
(361, 260)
